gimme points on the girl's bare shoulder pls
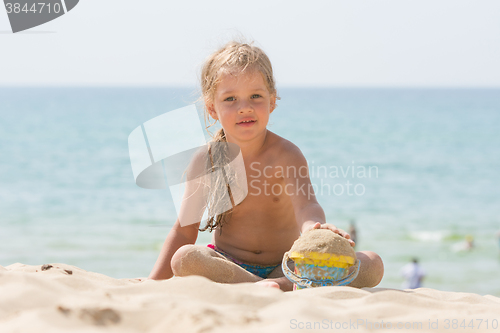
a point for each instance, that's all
(283, 148)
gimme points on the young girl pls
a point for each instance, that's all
(239, 91)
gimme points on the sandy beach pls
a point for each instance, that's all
(66, 298)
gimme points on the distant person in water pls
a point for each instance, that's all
(352, 232)
(464, 246)
(469, 242)
(413, 275)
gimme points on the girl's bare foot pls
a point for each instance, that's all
(267, 283)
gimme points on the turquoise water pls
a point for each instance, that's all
(67, 192)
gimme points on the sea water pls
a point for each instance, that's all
(416, 169)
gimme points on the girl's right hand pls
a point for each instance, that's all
(333, 228)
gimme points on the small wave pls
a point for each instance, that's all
(436, 236)
(429, 236)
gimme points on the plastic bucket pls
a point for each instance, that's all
(315, 269)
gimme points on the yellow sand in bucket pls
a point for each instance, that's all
(322, 258)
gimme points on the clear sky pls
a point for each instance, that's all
(368, 43)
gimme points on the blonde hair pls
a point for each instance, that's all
(233, 58)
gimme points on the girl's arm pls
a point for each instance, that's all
(192, 210)
(177, 237)
(308, 212)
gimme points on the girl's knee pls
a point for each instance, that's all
(377, 266)
(184, 259)
(372, 268)
(200, 260)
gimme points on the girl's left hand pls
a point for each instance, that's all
(333, 228)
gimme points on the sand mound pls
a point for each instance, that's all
(323, 241)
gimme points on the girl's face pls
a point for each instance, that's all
(242, 104)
